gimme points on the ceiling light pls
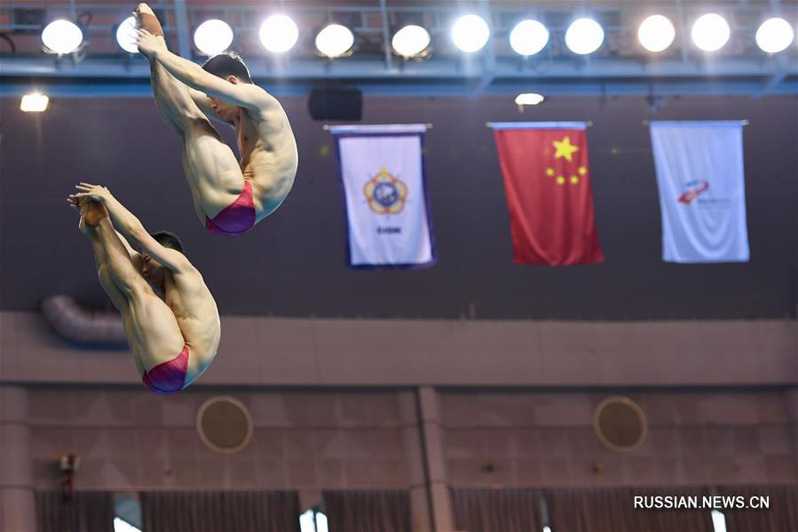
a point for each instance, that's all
(711, 32)
(656, 33)
(126, 35)
(213, 37)
(529, 37)
(584, 36)
(410, 41)
(470, 33)
(529, 98)
(278, 33)
(62, 36)
(334, 40)
(34, 102)
(774, 35)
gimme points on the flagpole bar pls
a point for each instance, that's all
(328, 127)
(538, 125)
(740, 122)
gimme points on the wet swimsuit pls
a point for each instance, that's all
(236, 218)
(168, 377)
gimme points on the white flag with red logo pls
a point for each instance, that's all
(701, 191)
(382, 175)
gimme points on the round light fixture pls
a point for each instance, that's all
(529, 98)
(470, 33)
(334, 40)
(126, 35)
(656, 33)
(213, 37)
(529, 37)
(774, 35)
(584, 36)
(410, 41)
(278, 33)
(711, 32)
(62, 36)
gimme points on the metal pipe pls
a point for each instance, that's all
(386, 34)
(181, 21)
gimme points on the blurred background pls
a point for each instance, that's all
(477, 394)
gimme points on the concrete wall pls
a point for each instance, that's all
(309, 440)
(547, 439)
(417, 405)
(322, 352)
(131, 440)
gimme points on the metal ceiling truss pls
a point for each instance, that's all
(620, 67)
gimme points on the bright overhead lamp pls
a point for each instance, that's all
(34, 102)
(278, 33)
(529, 37)
(62, 37)
(126, 35)
(470, 33)
(584, 36)
(711, 32)
(774, 35)
(213, 37)
(410, 41)
(656, 33)
(334, 40)
(529, 98)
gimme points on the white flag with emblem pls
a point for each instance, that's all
(701, 191)
(382, 175)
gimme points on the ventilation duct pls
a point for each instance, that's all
(83, 326)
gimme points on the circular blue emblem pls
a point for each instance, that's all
(386, 194)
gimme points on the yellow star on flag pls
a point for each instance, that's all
(565, 149)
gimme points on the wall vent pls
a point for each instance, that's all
(620, 423)
(224, 424)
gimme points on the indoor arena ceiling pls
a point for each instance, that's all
(102, 126)
(620, 66)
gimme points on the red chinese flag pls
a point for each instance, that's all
(547, 178)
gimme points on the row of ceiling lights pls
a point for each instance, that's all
(470, 33)
(36, 102)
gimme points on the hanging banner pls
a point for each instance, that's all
(701, 191)
(383, 181)
(549, 192)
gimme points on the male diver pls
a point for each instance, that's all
(229, 197)
(170, 316)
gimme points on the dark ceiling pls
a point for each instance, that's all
(294, 264)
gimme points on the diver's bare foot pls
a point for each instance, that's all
(147, 20)
(144, 8)
(82, 224)
(83, 227)
(91, 212)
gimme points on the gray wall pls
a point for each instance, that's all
(322, 352)
(293, 264)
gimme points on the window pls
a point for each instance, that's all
(313, 520)
(123, 526)
(718, 521)
(127, 513)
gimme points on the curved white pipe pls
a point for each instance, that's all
(80, 325)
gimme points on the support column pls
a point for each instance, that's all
(420, 509)
(432, 439)
(17, 511)
(791, 396)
